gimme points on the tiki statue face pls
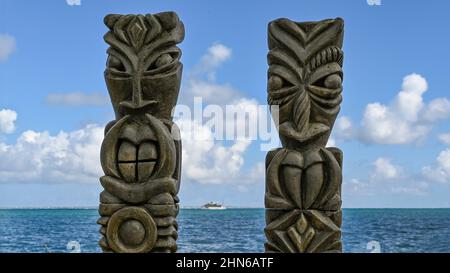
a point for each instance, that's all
(143, 69)
(305, 79)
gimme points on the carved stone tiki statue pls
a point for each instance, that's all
(303, 179)
(141, 151)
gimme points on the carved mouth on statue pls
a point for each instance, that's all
(324, 103)
(309, 134)
(129, 107)
(136, 162)
(136, 171)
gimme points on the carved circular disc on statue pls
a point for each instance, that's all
(131, 230)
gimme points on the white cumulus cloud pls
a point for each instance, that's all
(211, 60)
(397, 123)
(437, 109)
(407, 119)
(207, 161)
(440, 171)
(206, 158)
(344, 129)
(387, 178)
(201, 81)
(7, 121)
(215, 56)
(42, 157)
(384, 169)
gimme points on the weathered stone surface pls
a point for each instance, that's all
(303, 179)
(139, 155)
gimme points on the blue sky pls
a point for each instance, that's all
(393, 126)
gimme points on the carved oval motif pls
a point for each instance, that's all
(136, 162)
(304, 181)
(138, 149)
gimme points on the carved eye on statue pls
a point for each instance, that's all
(163, 60)
(115, 63)
(163, 63)
(333, 81)
(275, 82)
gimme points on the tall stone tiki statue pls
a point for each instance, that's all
(303, 178)
(141, 151)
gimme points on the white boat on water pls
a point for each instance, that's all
(213, 205)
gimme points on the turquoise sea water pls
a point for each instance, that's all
(231, 230)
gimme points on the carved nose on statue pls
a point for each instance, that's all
(137, 103)
(133, 107)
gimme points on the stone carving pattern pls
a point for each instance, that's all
(141, 151)
(303, 178)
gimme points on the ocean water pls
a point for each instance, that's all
(231, 230)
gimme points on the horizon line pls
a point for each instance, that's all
(200, 207)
